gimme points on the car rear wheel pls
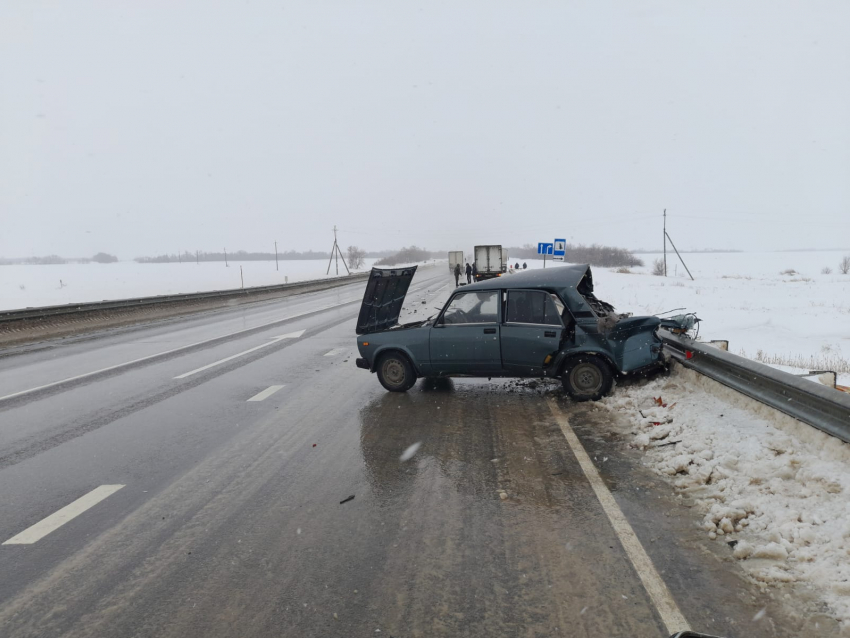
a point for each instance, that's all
(395, 372)
(587, 378)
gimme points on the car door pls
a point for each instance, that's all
(465, 337)
(532, 329)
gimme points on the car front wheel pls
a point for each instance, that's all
(587, 378)
(395, 372)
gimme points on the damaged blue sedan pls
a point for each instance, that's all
(539, 323)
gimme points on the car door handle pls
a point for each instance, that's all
(549, 333)
(489, 331)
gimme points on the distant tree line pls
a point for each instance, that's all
(238, 255)
(595, 255)
(49, 260)
(409, 255)
(33, 261)
(643, 251)
(242, 255)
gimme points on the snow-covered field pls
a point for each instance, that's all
(33, 286)
(774, 489)
(802, 320)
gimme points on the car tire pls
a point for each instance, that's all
(395, 372)
(587, 378)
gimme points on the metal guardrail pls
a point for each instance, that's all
(141, 302)
(817, 405)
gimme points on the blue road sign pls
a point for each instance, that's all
(560, 249)
(544, 249)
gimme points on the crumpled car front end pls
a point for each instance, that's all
(635, 342)
(631, 343)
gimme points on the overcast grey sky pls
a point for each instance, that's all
(146, 127)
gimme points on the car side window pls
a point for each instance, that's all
(473, 307)
(532, 306)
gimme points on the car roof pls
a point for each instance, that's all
(558, 277)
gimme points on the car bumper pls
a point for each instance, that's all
(362, 363)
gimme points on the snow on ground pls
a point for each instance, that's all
(801, 320)
(33, 286)
(776, 490)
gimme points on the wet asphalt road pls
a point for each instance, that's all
(230, 522)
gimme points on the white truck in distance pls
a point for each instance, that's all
(490, 261)
(456, 257)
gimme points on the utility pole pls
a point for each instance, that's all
(336, 253)
(275, 257)
(241, 277)
(665, 242)
(337, 247)
(198, 257)
(225, 259)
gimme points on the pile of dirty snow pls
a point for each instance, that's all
(776, 490)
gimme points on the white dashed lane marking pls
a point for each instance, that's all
(335, 352)
(265, 394)
(291, 335)
(120, 366)
(58, 519)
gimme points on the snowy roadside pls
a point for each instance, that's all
(775, 490)
(47, 285)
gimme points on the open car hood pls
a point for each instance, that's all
(384, 296)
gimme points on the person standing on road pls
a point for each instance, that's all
(475, 271)
(457, 274)
(524, 265)
(468, 273)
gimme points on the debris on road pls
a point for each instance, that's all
(667, 443)
(345, 500)
(410, 452)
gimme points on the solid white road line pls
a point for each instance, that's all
(59, 518)
(652, 581)
(265, 394)
(291, 335)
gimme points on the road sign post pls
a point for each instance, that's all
(544, 249)
(559, 249)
